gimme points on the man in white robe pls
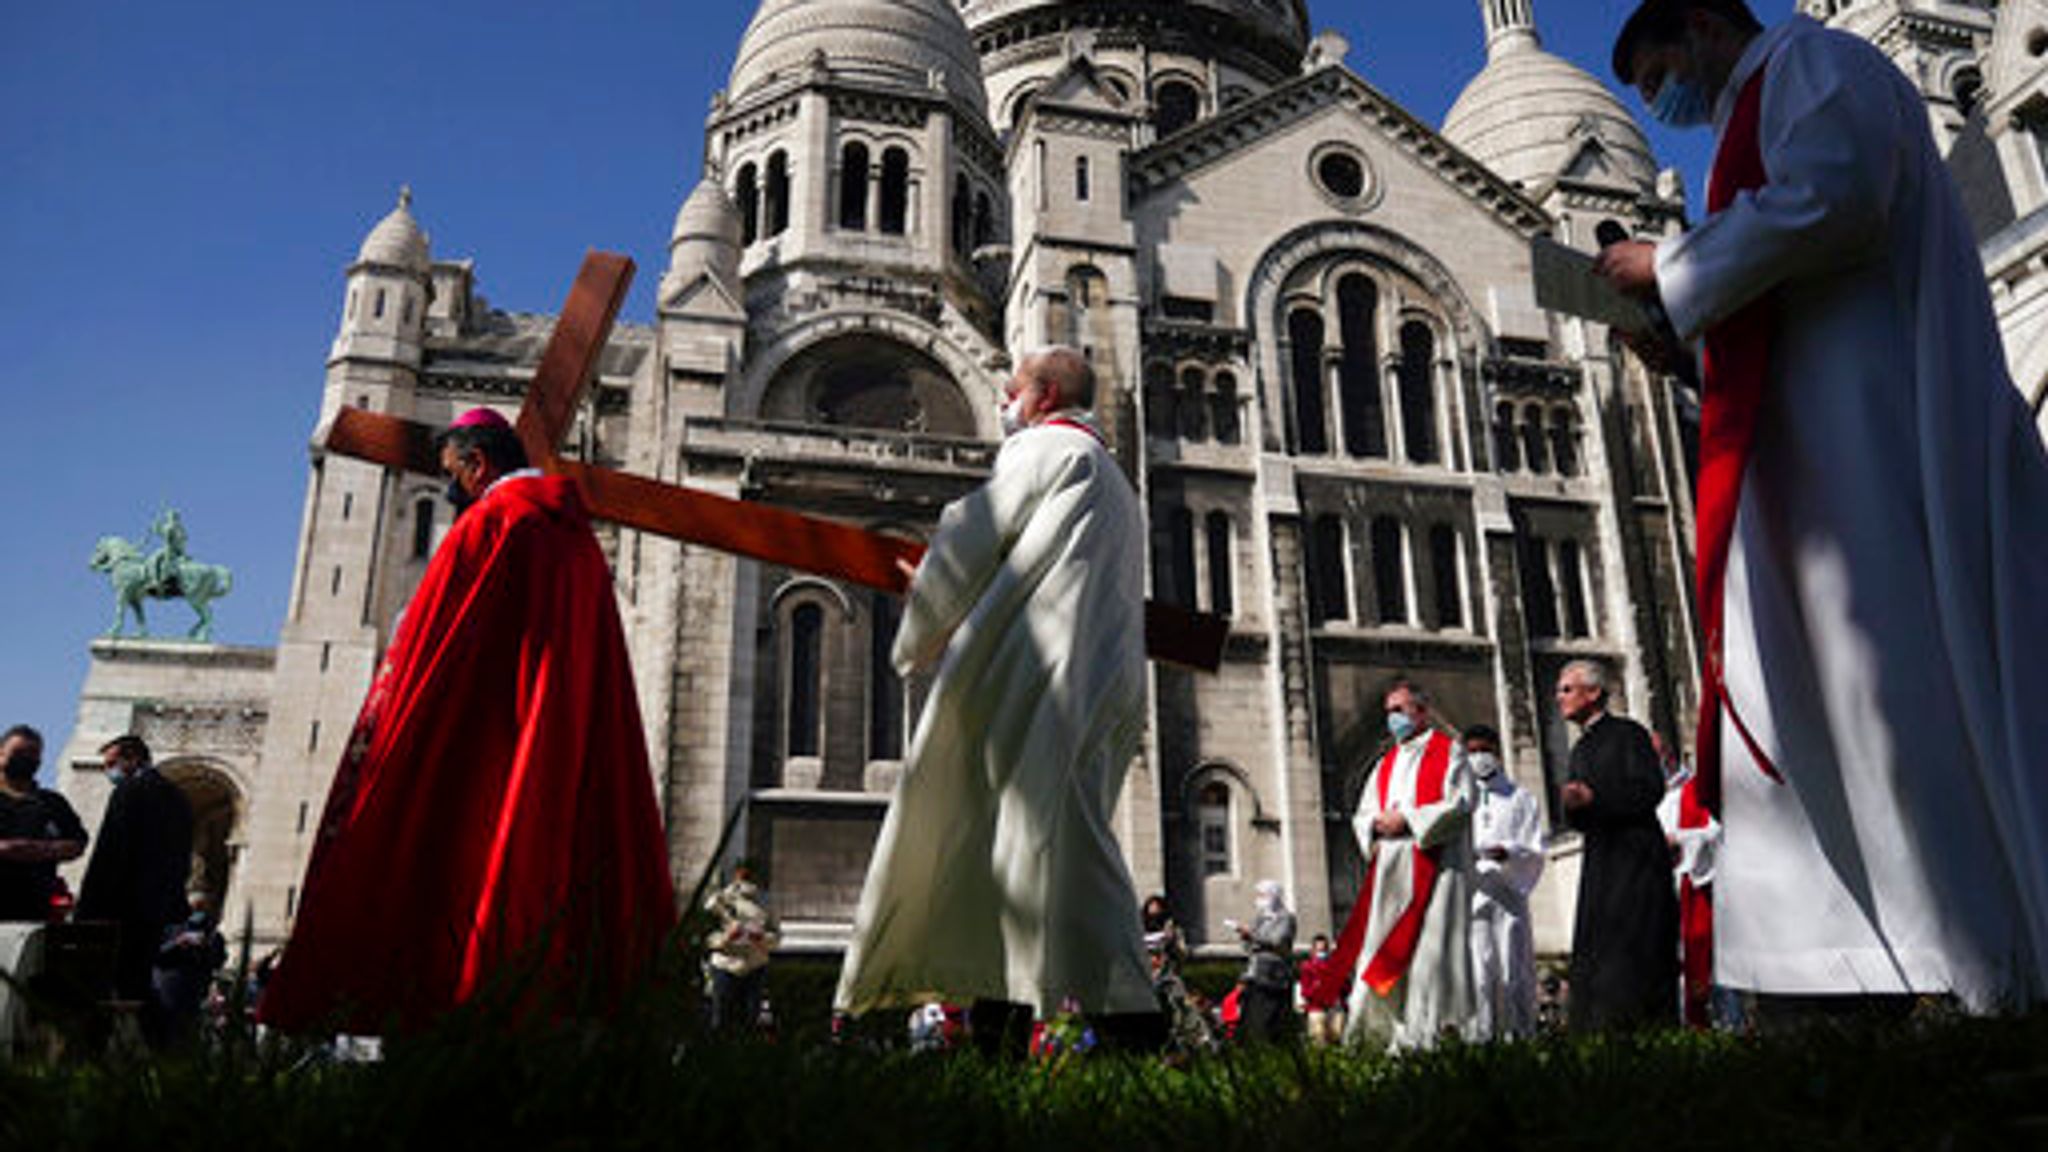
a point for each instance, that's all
(1884, 739)
(1409, 939)
(1507, 850)
(996, 875)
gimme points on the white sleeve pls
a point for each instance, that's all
(1834, 150)
(975, 534)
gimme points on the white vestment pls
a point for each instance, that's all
(1887, 590)
(1437, 993)
(1696, 850)
(1507, 818)
(996, 875)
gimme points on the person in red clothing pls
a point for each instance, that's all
(1324, 989)
(492, 827)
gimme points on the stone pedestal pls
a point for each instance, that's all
(203, 709)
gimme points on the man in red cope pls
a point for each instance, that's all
(492, 826)
(1873, 531)
(1409, 937)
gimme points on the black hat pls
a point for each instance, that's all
(1664, 21)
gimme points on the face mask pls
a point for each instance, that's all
(1485, 765)
(1681, 102)
(459, 496)
(1013, 417)
(21, 769)
(1401, 725)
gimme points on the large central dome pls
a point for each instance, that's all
(1529, 113)
(1281, 21)
(901, 43)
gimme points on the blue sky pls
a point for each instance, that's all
(181, 186)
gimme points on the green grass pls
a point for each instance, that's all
(647, 1079)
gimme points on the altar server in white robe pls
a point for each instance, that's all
(996, 875)
(1883, 767)
(1507, 851)
(1409, 938)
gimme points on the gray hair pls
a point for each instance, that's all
(1067, 369)
(1590, 673)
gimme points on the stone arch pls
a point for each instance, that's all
(1272, 289)
(219, 799)
(783, 379)
(812, 586)
(1211, 771)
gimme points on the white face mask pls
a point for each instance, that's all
(1013, 416)
(1485, 765)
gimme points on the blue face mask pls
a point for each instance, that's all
(1401, 725)
(1681, 103)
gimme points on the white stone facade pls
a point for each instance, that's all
(1355, 433)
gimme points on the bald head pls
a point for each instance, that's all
(1064, 373)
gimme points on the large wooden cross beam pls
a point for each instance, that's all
(762, 532)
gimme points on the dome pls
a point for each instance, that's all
(397, 239)
(708, 215)
(897, 42)
(1283, 22)
(1528, 113)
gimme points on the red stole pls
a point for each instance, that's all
(1737, 368)
(1397, 951)
(1064, 422)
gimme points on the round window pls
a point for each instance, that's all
(1341, 175)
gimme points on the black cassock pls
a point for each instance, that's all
(1625, 942)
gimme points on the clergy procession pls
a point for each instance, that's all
(1861, 825)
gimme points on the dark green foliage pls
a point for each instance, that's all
(647, 1080)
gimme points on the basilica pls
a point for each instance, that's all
(1356, 434)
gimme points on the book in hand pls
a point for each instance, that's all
(1565, 282)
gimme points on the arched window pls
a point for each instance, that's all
(422, 527)
(1571, 574)
(1081, 179)
(1175, 105)
(1390, 570)
(1418, 392)
(895, 205)
(1180, 584)
(747, 192)
(1305, 356)
(885, 687)
(1161, 422)
(1535, 453)
(777, 207)
(1507, 450)
(963, 215)
(1539, 592)
(1358, 376)
(1443, 570)
(1564, 441)
(1088, 309)
(806, 676)
(1223, 408)
(377, 309)
(1222, 599)
(984, 221)
(853, 187)
(1212, 825)
(1329, 584)
(1194, 412)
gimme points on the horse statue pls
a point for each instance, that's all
(165, 574)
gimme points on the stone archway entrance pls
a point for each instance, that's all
(216, 821)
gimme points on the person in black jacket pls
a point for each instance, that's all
(136, 877)
(1624, 970)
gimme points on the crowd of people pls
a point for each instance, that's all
(1864, 817)
(140, 941)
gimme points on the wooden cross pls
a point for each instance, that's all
(810, 544)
